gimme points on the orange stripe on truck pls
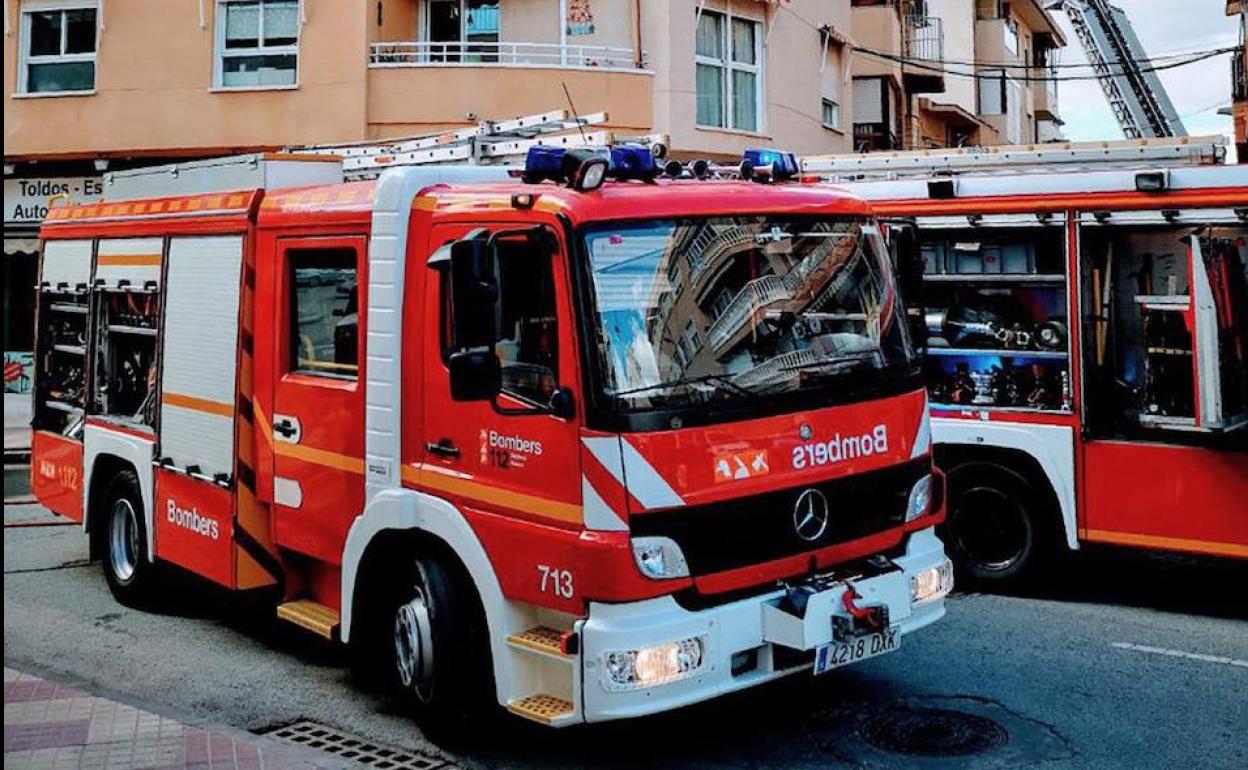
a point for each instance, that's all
(129, 260)
(1167, 543)
(433, 478)
(197, 404)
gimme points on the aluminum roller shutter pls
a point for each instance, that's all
(66, 265)
(201, 351)
(135, 261)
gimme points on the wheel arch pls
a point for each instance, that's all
(105, 454)
(396, 519)
(1041, 455)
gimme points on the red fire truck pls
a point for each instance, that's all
(1086, 343)
(588, 444)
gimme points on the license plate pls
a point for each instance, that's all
(838, 654)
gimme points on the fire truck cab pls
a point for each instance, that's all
(585, 444)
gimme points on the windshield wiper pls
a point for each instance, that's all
(721, 379)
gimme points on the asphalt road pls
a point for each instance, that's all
(1121, 661)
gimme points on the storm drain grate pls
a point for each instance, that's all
(312, 735)
(932, 732)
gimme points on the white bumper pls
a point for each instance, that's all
(728, 629)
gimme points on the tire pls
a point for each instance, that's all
(437, 645)
(994, 528)
(129, 572)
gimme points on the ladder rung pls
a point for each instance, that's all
(310, 615)
(546, 709)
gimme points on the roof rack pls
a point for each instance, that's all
(1023, 158)
(490, 142)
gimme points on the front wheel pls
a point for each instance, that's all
(993, 529)
(439, 646)
(128, 570)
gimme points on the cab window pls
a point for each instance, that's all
(324, 313)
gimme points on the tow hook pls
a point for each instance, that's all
(862, 618)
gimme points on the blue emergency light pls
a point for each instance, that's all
(762, 164)
(586, 169)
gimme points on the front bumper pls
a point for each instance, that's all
(781, 646)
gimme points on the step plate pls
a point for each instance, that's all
(541, 708)
(305, 613)
(541, 638)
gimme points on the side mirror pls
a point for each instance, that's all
(474, 296)
(476, 375)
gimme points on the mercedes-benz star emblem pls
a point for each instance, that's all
(810, 515)
(804, 432)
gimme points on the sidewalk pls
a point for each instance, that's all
(48, 726)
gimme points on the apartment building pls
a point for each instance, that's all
(91, 85)
(947, 73)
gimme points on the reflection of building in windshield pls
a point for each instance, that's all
(737, 298)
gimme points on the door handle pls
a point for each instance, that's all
(444, 447)
(287, 428)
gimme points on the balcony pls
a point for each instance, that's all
(924, 49)
(424, 86)
(503, 54)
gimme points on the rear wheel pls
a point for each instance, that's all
(993, 528)
(127, 567)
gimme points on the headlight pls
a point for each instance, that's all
(651, 666)
(659, 558)
(920, 503)
(932, 584)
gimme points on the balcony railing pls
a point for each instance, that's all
(502, 54)
(1239, 77)
(925, 38)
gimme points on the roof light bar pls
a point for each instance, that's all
(586, 169)
(763, 165)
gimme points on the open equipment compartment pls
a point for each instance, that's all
(994, 293)
(1166, 298)
(126, 304)
(64, 306)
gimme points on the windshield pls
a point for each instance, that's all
(691, 310)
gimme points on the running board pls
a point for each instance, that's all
(540, 639)
(546, 709)
(307, 614)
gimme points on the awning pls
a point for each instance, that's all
(953, 113)
(19, 245)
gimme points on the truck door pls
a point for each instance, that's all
(491, 457)
(1165, 450)
(317, 425)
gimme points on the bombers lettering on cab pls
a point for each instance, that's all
(838, 449)
(190, 519)
(515, 444)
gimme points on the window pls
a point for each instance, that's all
(528, 344)
(992, 93)
(1010, 32)
(468, 28)
(58, 50)
(324, 313)
(988, 9)
(528, 341)
(257, 43)
(831, 114)
(728, 59)
(722, 301)
(690, 342)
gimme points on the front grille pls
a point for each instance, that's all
(752, 530)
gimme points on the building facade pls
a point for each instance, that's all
(91, 86)
(949, 73)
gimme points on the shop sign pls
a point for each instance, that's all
(26, 200)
